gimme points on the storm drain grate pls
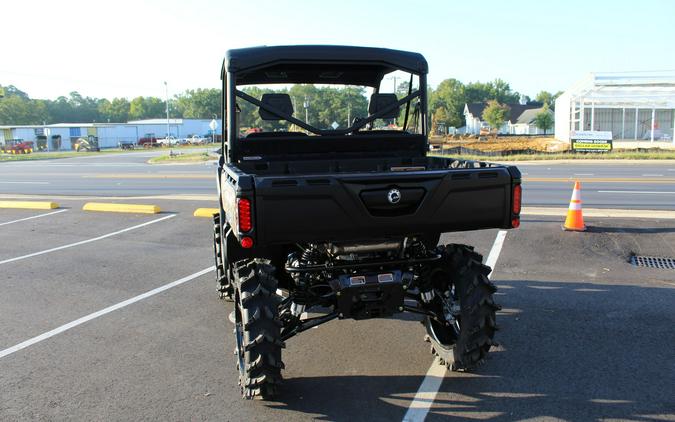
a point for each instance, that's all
(653, 262)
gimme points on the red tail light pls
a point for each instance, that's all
(517, 199)
(246, 242)
(245, 220)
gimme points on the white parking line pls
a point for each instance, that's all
(83, 242)
(652, 175)
(30, 218)
(426, 394)
(584, 174)
(496, 249)
(637, 192)
(100, 313)
(24, 183)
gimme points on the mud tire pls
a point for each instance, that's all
(257, 329)
(223, 275)
(464, 346)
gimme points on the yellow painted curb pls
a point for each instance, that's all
(206, 212)
(132, 208)
(29, 205)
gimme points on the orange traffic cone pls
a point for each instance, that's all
(575, 219)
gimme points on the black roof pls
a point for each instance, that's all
(327, 64)
(515, 110)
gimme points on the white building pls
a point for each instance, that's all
(631, 105)
(61, 135)
(520, 120)
(179, 128)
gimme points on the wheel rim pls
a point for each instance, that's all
(445, 336)
(239, 334)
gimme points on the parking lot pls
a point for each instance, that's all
(115, 317)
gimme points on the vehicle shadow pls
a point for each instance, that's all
(568, 350)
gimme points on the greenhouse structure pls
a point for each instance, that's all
(636, 106)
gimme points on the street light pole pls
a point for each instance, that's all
(166, 87)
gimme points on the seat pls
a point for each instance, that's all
(281, 102)
(379, 102)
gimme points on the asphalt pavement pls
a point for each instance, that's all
(115, 316)
(610, 184)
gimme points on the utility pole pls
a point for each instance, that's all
(166, 87)
(305, 104)
(349, 115)
(394, 78)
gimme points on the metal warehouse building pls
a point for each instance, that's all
(61, 135)
(631, 105)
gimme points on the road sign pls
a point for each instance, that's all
(213, 125)
(335, 125)
(47, 131)
(591, 141)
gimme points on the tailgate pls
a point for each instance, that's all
(361, 206)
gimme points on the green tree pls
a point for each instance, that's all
(439, 119)
(199, 103)
(17, 108)
(495, 114)
(548, 98)
(450, 95)
(116, 110)
(146, 108)
(544, 119)
(479, 92)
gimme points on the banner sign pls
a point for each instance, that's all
(591, 141)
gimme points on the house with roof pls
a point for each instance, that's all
(520, 121)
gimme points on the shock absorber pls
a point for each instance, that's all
(426, 285)
(309, 256)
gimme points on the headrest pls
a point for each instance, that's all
(281, 102)
(380, 102)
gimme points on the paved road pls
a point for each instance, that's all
(125, 174)
(646, 185)
(595, 343)
(609, 185)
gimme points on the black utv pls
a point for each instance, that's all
(343, 220)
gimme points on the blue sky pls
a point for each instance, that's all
(128, 48)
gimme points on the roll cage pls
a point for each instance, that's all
(322, 65)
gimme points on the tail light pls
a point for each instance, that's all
(516, 204)
(517, 199)
(244, 210)
(246, 242)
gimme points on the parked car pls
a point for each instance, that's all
(168, 141)
(125, 145)
(148, 140)
(197, 140)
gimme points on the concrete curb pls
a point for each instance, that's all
(177, 197)
(129, 208)
(205, 212)
(602, 213)
(29, 205)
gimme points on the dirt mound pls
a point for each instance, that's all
(510, 143)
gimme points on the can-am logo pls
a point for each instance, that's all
(394, 196)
